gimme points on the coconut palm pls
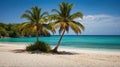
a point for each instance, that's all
(65, 20)
(37, 22)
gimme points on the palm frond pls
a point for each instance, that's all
(29, 13)
(56, 24)
(54, 17)
(43, 20)
(55, 10)
(79, 24)
(28, 17)
(61, 29)
(66, 20)
(47, 26)
(75, 27)
(65, 25)
(43, 30)
(37, 18)
(76, 15)
(33, 29)
(44, 14)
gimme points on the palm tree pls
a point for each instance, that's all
(37, 22)
(65, 20)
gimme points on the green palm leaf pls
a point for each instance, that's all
(64, 20)
(37, 22)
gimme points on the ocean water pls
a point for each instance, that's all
(101, 42)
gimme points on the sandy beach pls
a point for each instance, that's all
(11, 55)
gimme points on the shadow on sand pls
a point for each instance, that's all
(65, 53)
(39, 52)
(18, 51)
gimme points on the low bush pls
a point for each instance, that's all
(41, 46)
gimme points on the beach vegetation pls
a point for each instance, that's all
(41, 46)
(64, 20)
(37, 22)
(9, 30)
(41, 23)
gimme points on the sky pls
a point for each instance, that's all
(101, 17)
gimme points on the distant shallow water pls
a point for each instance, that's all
(73, 41)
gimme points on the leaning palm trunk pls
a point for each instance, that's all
(55, 49)
(65, 20)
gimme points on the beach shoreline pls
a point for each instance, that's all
(61, 48)
(70, 58)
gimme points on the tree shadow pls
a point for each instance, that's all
(39, 52)
(30, 52)
(18, 51)
(65, 53)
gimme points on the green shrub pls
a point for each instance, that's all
(41, 46)
(32, 47)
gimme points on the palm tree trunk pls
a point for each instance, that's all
(55, 49)
(37, 35)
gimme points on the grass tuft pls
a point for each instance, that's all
(41, 46)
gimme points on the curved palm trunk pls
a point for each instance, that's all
(55, 49)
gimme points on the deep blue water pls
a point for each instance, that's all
(74, 41)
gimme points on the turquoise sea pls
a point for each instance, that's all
(100, 42)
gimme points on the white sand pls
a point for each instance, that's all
(10, 57)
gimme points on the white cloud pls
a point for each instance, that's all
(100, 18)
(100, 24)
